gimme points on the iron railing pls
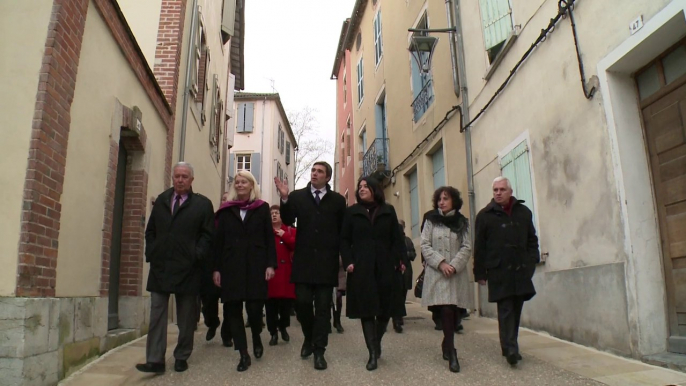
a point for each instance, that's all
(376, 155)
(422, 102)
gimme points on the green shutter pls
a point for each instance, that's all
(496, 17)
(515, 166)
(438, 168)
(241, 118)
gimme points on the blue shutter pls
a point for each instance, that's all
(515, 166)
(414, 204)
(255, 167)
(416, 78)
(378, 113)
(249, 115)
(241, 118)
(438, 168)
(497, 21)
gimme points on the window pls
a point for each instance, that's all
(243, 162)
(496, 18)
(228, 19)
(360, 81)
(202, 88)
(288, 152)
(515, 166)
(345, 88)
(217, 122)
(199, 47)
(342, 151)
(279, 170)
(414, 203)
(349, 144)
(363, 139)
(245, 117)
(422, 87)
(279, 139)
(358, 41)
(438, 168)
(378, 43)
(282, 138)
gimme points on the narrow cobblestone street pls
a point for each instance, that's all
(410, 358)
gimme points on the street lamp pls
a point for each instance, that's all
(420, 46)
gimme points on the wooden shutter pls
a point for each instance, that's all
(241, 118)
(228, 19)
(360, 81)
(255, 166)
(249, 115)
(515, 166)
(414, 203)
(496, 17)
(438, 168)
(288, 153)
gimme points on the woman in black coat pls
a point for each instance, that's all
(244, 260)
(373, 251)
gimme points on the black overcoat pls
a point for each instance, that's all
(175, 246)
(317, 243)
(375, 287)
(411, 255)
(243, 249)
(506, 251)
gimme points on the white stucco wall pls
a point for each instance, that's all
(23, 30)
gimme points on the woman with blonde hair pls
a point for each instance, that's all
(244, 261)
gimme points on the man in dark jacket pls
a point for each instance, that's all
(319, 212)
(178, 238)
(505, 255)
(407, 275)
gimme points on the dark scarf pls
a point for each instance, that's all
(246, 205)
(371, 208)
(457, 222)
(508, 207)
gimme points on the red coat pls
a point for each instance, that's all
(280, 285)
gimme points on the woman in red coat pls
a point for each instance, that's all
(281, 291)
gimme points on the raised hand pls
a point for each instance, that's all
(281, 187)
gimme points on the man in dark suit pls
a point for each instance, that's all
(319, 212)
(505, 255)
(178, 237)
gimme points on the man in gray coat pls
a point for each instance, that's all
(178, 237)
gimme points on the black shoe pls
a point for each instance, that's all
(446, 356)
(459, 328)
(180, 366)
(257, 347)
(398, 328)
(227, 342)
(306, 350)
(519, 356)
(339, 327)
(157, 368)
(511, 359)
(453, 364)
(439, 325)
(319, 362)
(244, 363)
(285, 336)
(274, 340)
(211, 332)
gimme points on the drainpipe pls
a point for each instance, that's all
(264, 104)
(453, 46)
(187, 83)
(460, 80)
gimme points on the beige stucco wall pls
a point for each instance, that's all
(143, 18)
(83, 200)
(23, 30)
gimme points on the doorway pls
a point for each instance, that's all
(115, 255)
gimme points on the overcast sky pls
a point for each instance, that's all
(294, 43)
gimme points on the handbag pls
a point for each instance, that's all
(419, 284)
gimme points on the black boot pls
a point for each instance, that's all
(398, 325)
(257, 347)
(274, 340)
(245, 362)
(337, 321)
(369, 331)
(453, 364)
(381, 325)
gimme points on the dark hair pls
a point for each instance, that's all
(374, 186)
(326, 166)
(453, 193)
(275, 207)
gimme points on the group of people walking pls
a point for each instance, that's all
(249, 255)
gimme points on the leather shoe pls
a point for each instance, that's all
(211, 332)
(511, 359)
(244, 363)
(306, 350)
(157, 368)
(227, 342)
(285, 336)
(319, 362)
(180, 366)
(453, 364)
(257, 347)
(274, 340)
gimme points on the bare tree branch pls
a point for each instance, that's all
(311, 147)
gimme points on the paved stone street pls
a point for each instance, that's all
(411, 358)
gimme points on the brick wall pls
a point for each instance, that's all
(167, 61)
(47, 156)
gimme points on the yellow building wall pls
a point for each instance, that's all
(23, 30)
(143, 18)
(83, 200)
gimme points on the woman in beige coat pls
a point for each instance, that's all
(446, 248)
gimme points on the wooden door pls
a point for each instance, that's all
(665, 129)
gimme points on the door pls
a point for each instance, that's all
(115, 251)
(665, 129)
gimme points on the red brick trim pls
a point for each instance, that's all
(47, 158)
(167, 64)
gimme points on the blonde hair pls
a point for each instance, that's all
(254, 193)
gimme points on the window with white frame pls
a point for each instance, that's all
(496, 19)
(515, 166)
(363, 139)
(378, 42)
(199, 47)
(246, 113)
(360, 81)
(243, 162)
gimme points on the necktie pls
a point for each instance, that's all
(177, 204)
(317, 199)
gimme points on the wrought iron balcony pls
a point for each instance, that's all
(422, 102)
(376, 158)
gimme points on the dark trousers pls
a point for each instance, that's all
(509, 314)
(186, 311)
(210, 311)
(235, 313)
(278, 314)
(313, 310)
